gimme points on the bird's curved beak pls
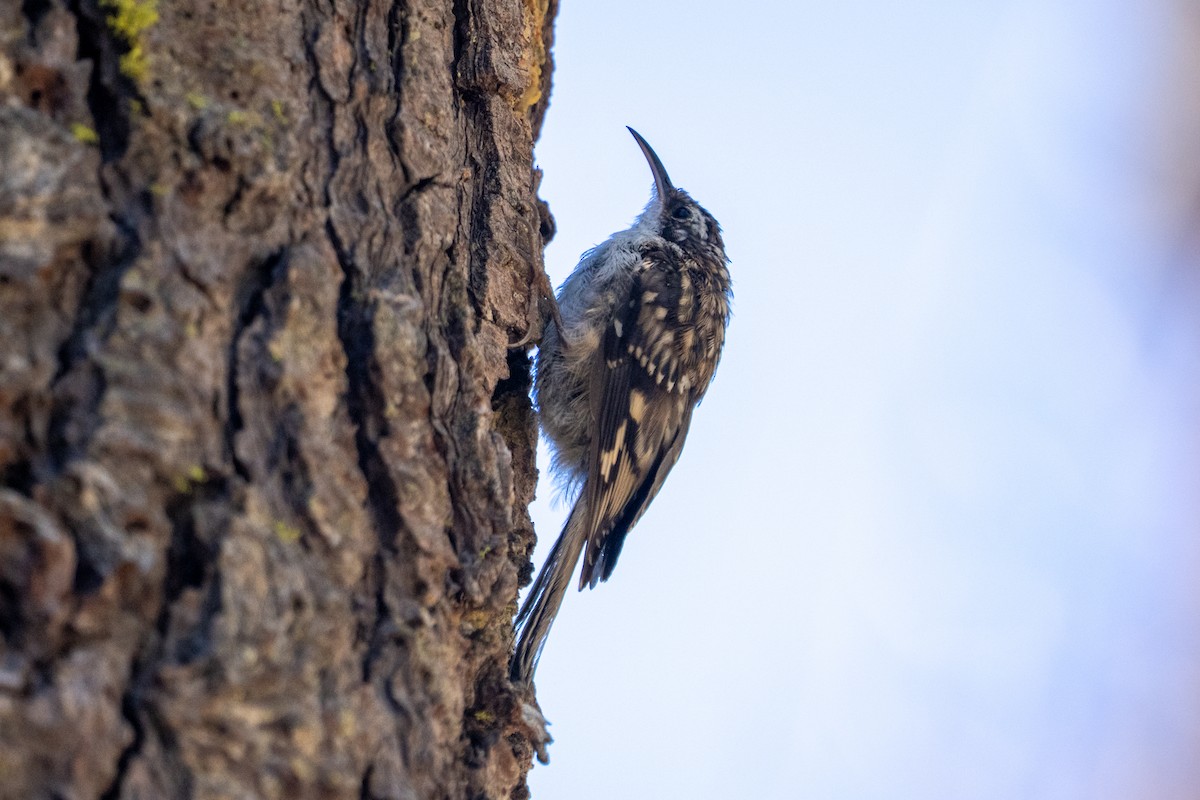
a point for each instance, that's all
(662, 182)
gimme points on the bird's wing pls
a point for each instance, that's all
(642, 400)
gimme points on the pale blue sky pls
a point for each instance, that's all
(934, 534)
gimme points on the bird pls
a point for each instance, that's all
(643, 322)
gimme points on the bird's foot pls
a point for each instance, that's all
(533, 724)
(541, 291)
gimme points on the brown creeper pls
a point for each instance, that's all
(643, 324)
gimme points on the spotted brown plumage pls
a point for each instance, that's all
(660, 353)
(643, 325)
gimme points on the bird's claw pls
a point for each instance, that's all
(534, 725)
(541, 291)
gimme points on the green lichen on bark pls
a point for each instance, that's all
(129, 20)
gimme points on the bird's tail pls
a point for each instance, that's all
(546, 596)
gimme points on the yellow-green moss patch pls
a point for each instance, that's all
(186, 482)
(286, 533)
(84, 133)
(129, 19)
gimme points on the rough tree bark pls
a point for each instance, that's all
(266, 452)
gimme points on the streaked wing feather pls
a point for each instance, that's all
(640, 422)
(610, 548)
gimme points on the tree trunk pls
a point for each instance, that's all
(266, 451)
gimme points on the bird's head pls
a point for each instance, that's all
(672, 212)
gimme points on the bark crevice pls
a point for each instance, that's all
(108, 91)
(78, 384)
(250, 305)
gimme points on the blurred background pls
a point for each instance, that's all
(935, 532)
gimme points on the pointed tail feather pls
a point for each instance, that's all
(546, 596)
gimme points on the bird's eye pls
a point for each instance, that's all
(683, 212)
